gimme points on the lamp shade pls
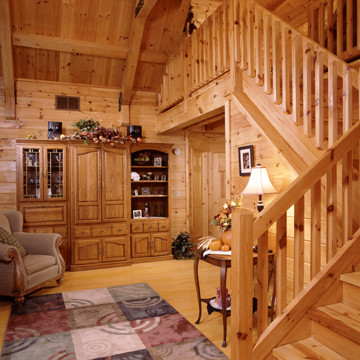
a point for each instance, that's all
(259, 182)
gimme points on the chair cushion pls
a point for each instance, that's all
(36, 263)
(8, 239)
(4, 223)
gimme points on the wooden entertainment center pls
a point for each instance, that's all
(85, 193)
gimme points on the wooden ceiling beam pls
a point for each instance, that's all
(84, 47)
(7, 60)
(136, 35)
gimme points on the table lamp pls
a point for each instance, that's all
(259, 184)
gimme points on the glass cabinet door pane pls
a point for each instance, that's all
(31, 173)
(55, 173)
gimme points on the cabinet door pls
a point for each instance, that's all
(86, 185)
(55, 173)
(116, 248)
(140, 245)
(114, 185)
(30, 173)
(160, 244)
(87, 251)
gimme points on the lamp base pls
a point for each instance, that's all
(260, 204)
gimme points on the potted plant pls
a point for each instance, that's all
(183, 247)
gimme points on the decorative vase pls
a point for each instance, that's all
(226, 237)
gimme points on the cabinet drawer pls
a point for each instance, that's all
(82, 232)
(164, 226)
(150, 226)
(119, 229)
(136, 227)
(100, 230)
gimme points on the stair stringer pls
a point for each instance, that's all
(324, 289)
(257, 119)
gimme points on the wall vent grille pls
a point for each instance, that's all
(63, 102)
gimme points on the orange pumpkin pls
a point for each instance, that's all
(215, 245)
(225, 247)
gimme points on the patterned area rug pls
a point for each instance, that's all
(120, 323)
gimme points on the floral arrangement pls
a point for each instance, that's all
(91, 130)
(222, 220)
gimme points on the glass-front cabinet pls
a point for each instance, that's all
(43, 173)
(42, 188)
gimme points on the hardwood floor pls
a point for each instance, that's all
(173, 280)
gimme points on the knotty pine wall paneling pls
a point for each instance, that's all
(36, 106)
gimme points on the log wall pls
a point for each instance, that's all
(36, 106)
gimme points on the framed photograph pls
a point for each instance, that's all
(157, 161)
(246, 159)
(137, 214)
(145, 191)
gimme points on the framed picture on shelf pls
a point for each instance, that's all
(145, 191)
(137, 214)
(157, 161)
(246, 159)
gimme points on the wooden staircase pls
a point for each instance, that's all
(335, 328)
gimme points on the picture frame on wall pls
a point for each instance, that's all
(157, 161)
(137, 214)
(246, 159)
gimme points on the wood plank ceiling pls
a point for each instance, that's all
(97, 42)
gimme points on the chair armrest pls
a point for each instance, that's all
(39, 243)
(7, 253)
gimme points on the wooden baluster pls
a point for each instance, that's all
(237, 32)
(319, 100)
(347, 99)
(201, 40)
(206, 52)
(299, 215)
(220, 43)
(187, 70)
(330, 27)
(250, 41)
(321, 24)
(332, 103)
(267, 58)
(226, 34)
(217, 43)
(286, 61)
(295, 58)
(281, 260)
(258, 47)
(193, 60)
(276, 60)
(339, 28)
(349, 27)
(307, 64)
(347, 162)
(311, 20)
(262, 283)
(331, 211)
(243, 35)
(347, 171)
(212, 46)
(315, 228)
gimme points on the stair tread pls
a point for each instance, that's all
(351, 278)
(340, 318)
(306, 349)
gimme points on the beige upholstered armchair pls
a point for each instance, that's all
(28, 261)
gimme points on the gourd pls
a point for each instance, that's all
(215, 245)
(225, 247)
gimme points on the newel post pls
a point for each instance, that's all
(241, 284)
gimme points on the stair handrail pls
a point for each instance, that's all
(247, 230)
